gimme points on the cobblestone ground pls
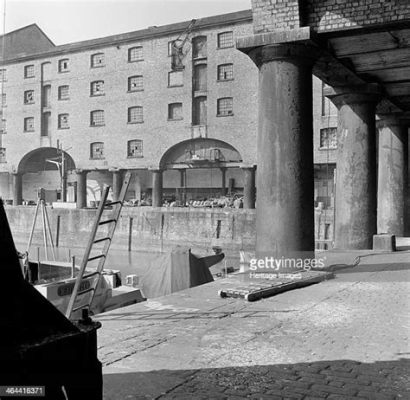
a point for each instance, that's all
(345, 338)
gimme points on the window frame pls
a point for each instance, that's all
(26, 120)
(218, 79)
(181, 112)
(328, 129)
(26, 69)
(3, 75)
(62, 70)
(92, 90)
(59, 118)
(102, 156)
(129, 142)
(92, 118)
(25, 101)
(219, 41)
(129, 113)
(93, 56)
(130, 59)
(3, 155)
(3, 126)
(175, 72)
(60, 98)
(130, 90)
(218, 105)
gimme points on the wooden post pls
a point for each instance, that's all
(130, 234)
(73, 267)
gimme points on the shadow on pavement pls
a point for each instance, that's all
(340, 379)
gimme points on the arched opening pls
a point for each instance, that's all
(201, 170)
(46, 168)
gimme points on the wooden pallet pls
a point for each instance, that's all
(261, 288)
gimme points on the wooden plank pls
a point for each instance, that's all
(388, 75)
(397, 89)
(372, 42)
(349, 45)
(397, 58)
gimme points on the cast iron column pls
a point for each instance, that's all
(223, 183)
(156, 188)
(356, 201)
(285, 184)
(17, 189)
(182, 185)
(393, 134)
(81, 188)
(248, 187)
(116, 183)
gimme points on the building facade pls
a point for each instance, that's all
(176, 104)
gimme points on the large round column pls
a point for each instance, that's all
(17, 189)
(156, 188)
(116, 183)
(356, 201)
(285, 184)
(248, 187)
(391, 175)
(81, 188)
(223, 181)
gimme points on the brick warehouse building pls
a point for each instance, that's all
(183, 118)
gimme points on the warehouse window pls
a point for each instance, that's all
(135, 83)
(63, 65)
(63, 92)
(97, 60)
(3, 129)
(63, 121)
(3, 75)
(97, 88)
(328, 138)
(135, 115)
(97, 151)
(29, 97)
(225, 39)
(175, 78)
(175, 111)
(225, 107)
(29, 71)
(225, 72)
(29, 124)
(2, 155)
(134, 148)
(97, 118)
(3, 99)
(135, 54)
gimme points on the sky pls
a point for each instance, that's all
(66, 21)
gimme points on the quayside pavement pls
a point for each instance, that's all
(344, 338)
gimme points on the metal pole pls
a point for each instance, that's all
(38, 263)
(44, 229)
(130, 234)
(58, 231)
(49, 233)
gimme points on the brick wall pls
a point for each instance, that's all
(326, 15)
(275, 14)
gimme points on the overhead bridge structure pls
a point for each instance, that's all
(361, 51)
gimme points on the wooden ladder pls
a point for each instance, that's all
(112, 222)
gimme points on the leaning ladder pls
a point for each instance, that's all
(112, 222)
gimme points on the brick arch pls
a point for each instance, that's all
(182, 152)
(35, 160)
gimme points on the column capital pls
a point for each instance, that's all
(247, 166)
(113, 169)
(300, 53)
(366, 93)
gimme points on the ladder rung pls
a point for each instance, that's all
(96, 257)
(85, 291)
(102, 239)
(107, 221)
(112, 203)
(90, 274)
(80, 307)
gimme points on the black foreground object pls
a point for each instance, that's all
(41, 351)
